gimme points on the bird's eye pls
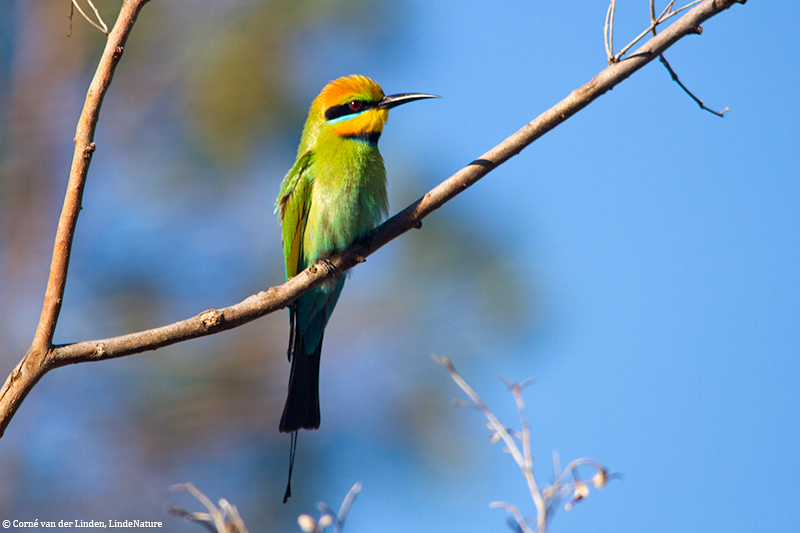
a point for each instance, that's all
(355, 105)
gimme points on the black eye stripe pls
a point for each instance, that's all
(342, 110)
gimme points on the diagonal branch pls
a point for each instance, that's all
(44, 357)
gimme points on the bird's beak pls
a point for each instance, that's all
(394, 100)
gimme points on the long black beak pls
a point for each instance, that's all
(394, 100)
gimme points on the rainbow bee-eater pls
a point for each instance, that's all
(333, 195)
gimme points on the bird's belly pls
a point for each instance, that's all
(336, 220)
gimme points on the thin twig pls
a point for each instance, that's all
(672, 73)
(226, 519)
(666, 10)
(43, 356)
(525, 459)
(660, 20)
(547, 499)
(653, 14)
(497, 426)
(527, 471)
(699, 102)
(209, 519)
(328, 517)
(521, 523)
(102, 26)
(349, 498)
(608, 32)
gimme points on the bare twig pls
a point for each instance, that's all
(539, 501)
(523, 459)
(519, 520)
(37, 361)
(224, 519)
(663, 17)
(699, 102)
(547, 498)
(349, 498)
(102, 26)
(494, 422)
(672, 73)
(43, 356)
(608, 32)
(328, 517)
(82, 157)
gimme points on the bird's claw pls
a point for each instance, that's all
(328, 266)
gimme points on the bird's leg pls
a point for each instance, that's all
(328, 266)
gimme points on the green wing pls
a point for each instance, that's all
(292, 205)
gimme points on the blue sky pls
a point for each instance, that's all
(640, 262)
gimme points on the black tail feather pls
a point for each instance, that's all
(292, 452)
(302, 404)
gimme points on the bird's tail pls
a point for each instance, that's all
(302, 404)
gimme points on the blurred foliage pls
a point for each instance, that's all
(451, 248)
(240, 89)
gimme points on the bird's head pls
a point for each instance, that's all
(355, 107)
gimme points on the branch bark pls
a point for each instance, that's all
(43, 356)
(36, 361)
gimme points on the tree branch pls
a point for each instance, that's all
(35, 364)
(43, 357)
(674, 76)
(672, 73)
(102, 26)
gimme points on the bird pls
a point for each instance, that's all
(334, 194)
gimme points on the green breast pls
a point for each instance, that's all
(348, 196)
